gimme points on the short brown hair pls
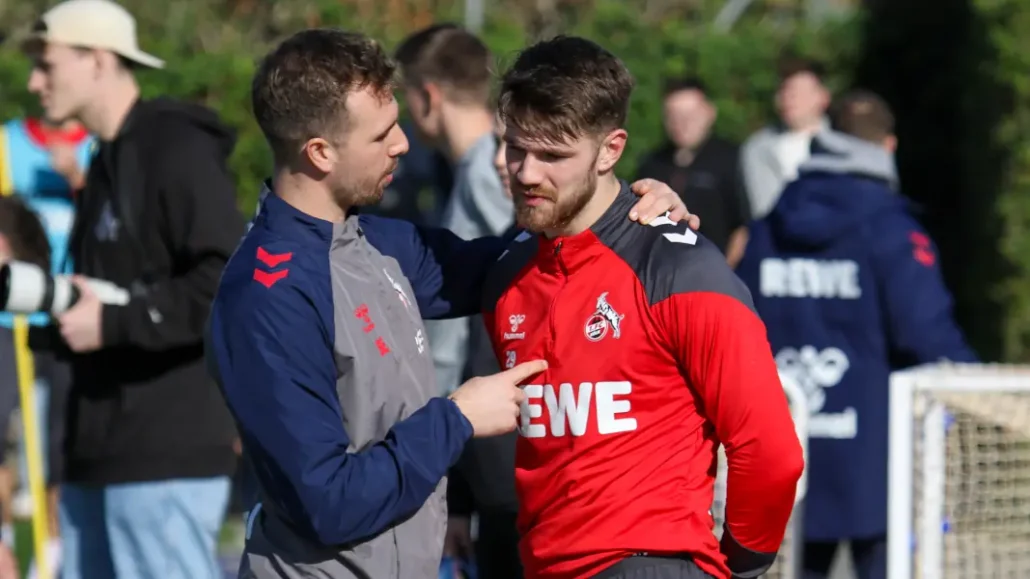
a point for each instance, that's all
(300, 89)
(792, 64)
(863, 114)
(565, 87)
(24, 232)
(451, 56)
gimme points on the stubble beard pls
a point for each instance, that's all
(555, 215)
(362, 193)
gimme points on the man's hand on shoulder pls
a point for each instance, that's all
(656, 199)
(491, 403)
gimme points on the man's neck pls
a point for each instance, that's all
(462, 127)
(307, 195)
(808, 128)
(604, 195)
(106, 120)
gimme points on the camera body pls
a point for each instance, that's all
(27, 289)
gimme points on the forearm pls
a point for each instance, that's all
(343, 497)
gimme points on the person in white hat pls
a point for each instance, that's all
(149, 449)
(66, 42)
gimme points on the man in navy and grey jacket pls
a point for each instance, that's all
(316, 336)
(848, 285)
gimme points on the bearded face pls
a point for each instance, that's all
(550, 182)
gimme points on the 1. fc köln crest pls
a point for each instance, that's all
(603, 320)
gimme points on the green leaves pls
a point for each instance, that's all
(212, 46)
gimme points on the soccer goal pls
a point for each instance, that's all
(959, 476)
(788, 562)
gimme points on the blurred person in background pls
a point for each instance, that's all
(22, 238)
(447, 82)
(447, 74)
(702, 168)
(44, 162)
(149, 448)
(483, 481)
(848, 284)
(770, 158)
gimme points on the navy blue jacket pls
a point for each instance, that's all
(271, 346)
(848, 285)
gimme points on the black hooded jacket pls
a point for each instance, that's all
(158, 216)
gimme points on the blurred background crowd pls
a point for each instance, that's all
(730, 95)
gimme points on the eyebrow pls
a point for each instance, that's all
(386, 131)
(539, 145)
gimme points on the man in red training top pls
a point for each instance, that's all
(655, 353)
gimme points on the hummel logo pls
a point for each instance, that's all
(269, 278)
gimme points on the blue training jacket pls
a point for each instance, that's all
(848, 285)
(322, 360)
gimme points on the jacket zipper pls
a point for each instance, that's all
(552, 313)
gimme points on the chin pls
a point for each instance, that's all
(372, 198)
(535, 221)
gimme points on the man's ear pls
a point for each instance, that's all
(433, 95)
(612, 147)
(320, 154)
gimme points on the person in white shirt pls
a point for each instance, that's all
(770, 158)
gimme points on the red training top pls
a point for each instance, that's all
(655, 355)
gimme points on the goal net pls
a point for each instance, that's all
(959, 489)
(788, 562)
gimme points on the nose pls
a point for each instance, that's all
(400, 146)
(37, 81)
(529, 171)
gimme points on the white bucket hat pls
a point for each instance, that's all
(99, 24)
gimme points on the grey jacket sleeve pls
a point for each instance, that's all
(762, 180)
(479, 207)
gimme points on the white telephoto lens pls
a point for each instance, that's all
(65, 295)
(26, 288)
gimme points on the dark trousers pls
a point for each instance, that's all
(869, 556)
(497, 548)
(647, 567)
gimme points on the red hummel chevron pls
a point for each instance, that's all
(272, 259)
(268, 279)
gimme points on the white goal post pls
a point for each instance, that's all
(788, 562)
(959, 472)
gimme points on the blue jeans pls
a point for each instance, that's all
(152, 530)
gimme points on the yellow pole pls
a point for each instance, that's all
(30, 434)
(27, 395)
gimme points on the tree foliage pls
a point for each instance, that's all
(212, 46)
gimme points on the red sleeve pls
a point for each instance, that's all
(722, 348)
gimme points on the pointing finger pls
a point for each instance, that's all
(519, 373)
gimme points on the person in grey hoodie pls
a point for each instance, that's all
(447, 78)
(770, 158)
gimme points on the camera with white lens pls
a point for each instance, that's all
(27, 289)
